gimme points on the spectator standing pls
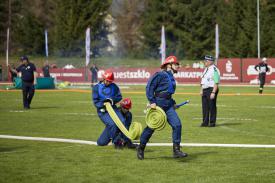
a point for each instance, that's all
(13, 72)
(94, 71)
(46, 70)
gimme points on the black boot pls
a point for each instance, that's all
(130, 145)
(177, 153)
(212, 124)
(140, 151)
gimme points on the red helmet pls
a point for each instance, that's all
(170, 60)
(109, 76)
(126, 103)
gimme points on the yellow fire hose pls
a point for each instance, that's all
(134, 130)
(156, 118)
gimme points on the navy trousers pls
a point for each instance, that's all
(111, 131)
(173, 120)
(28, 93)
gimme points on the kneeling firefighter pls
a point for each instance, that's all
(107, 91)
(125, 106)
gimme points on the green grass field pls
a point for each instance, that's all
(101, 62)
(243, 118)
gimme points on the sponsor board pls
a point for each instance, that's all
(71, 75)
(232, 70)
(250, 75)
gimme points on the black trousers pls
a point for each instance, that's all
(262, 79)
(28, 93)
(94, 78)
(209, 107)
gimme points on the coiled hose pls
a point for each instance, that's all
(135, 127)
(156, 118)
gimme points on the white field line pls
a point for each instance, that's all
(265, 107)
(229, 119)
(80, 114)
(48, 139)
(149, 144)
(17, 111)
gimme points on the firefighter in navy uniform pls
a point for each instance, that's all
(121, 140)
(28, 76)
(125, 106)
(262, 68)
(159, 90)
(209, 92)
(107, 91)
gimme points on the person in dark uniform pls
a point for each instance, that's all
(123, 141)
(107, 91)
(262, 68)
(94, 71)
(46, 70)
(159, 90)
(209, 92)
(28, 76)
(125, 106)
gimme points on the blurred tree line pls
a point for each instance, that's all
(136, 26)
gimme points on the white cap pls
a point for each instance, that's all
(264, 59)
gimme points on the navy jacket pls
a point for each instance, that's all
(101, 92)
(27, 72)
(160, 88)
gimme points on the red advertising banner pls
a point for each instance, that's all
(232, 70)
(131, 75)
(71, 75)
(141, 75)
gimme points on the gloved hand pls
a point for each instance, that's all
(153, 105)
(109, 100)
(103, 109)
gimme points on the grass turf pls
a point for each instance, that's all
(242, 119)
(102, 62)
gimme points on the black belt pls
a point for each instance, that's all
(209, 88)
(163, 95)
(27, 81)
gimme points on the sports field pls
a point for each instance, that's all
(244, 117)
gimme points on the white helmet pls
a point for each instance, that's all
(264, 59)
